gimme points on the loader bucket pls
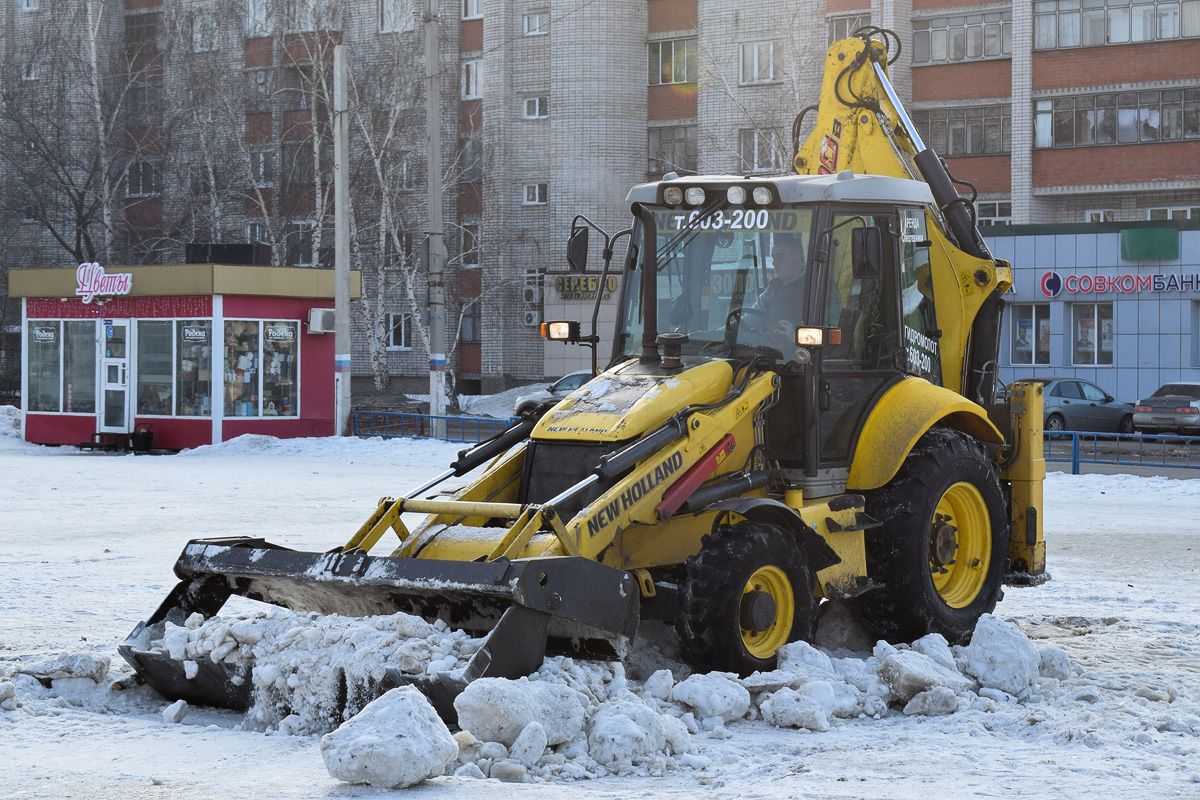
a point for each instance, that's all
(526, 608)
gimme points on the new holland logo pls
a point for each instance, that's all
(1052, 284)
(620, 504)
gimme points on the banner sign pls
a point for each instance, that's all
(92, 280)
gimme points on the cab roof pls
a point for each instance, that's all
(842, 186)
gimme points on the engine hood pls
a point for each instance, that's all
(624, 402)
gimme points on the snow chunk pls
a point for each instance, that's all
(788, 708)
(1000, 656)
(174, 713)
(508, 771)
(935, 646)
(7, 691)
(1054, 663)
(659, 684)
(68, 665)
(797, 655)
(934, 702)
(908, 673)
(530, 745)
(396, 741)
(498, 709)
(717, 694)
(625, 730)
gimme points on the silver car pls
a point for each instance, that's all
(1070, 404)
(559, 389)
(1174, 407)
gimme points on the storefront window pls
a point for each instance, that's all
(1092, 331)
(45, 341)
(279, 369)
(194, 368)
(79, 367)
(241, 368)
(154, 368)
(1031, 334)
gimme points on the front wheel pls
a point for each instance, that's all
(748, 592)
(1055, 423)
(1126, 424)
(941, 550)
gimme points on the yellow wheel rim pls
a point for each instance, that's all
(960, 545)
(771, 581)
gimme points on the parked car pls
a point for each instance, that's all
(1174, 407)
(1075, 405)
(560, 388)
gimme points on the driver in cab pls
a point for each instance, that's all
(781, 303)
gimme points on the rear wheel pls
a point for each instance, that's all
(1054, 422)
(748, 592)
(940, 553)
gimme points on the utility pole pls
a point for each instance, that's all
(437, 244)
(341, 246)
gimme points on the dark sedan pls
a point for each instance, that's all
(1174, 407)
(1075, 405)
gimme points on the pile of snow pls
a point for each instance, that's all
(10, 422)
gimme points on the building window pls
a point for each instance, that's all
(400, 172)
(262, 167)
(395, 16)
(993, 212)
(759, 151)
(300, 15)
(1031, 334)
(536, 194)
(962, 36)
(1124, 118)
(1098, 215)
(29, 5)
(399, 334)
(535, 108)
(143, 179)
(966, 131)
(256, 233)
(1063, 23)
(31, 71)
(760, 63)
(258, 18)
(472, 79)
(673, 61)
(471, 9)
(204, 33)
(146, 103)
(672, 149)
(844, 27)
(141, 33)
(1092, 333)
(537, 24)
(298, 244)
(469, 331)
(471, 158)
(470, 244)
(1173, 212)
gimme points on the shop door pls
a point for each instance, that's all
(116, 411)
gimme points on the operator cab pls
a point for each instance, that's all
(745, 266)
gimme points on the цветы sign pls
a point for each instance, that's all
(92, 280)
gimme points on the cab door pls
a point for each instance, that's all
(116, 410)
(865, 308)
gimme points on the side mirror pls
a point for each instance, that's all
(866, 252)
(577, 249)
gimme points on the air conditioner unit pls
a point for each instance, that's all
(532, 319)
(321, 320)
(531, 295)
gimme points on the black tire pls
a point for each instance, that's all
(748, 591)
(938, 574)
(1126, 424)
(1055, 422)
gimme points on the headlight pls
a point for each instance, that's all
(694, 195)
(736, 195)
(761, 195)
(672, 195)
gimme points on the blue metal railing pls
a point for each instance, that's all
(1134, 449)
(393, 424)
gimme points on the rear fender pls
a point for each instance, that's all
(900, 418)
(773, 512)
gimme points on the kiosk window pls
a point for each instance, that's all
(45, 360)
(262, 368)
(79, 367)
(193, 368)
(155, 358)
(241, 369)
(279, 369)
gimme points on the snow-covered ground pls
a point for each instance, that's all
(87, 542)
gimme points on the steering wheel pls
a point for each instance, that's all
(735, 319)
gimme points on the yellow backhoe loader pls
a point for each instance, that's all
(799, 406)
